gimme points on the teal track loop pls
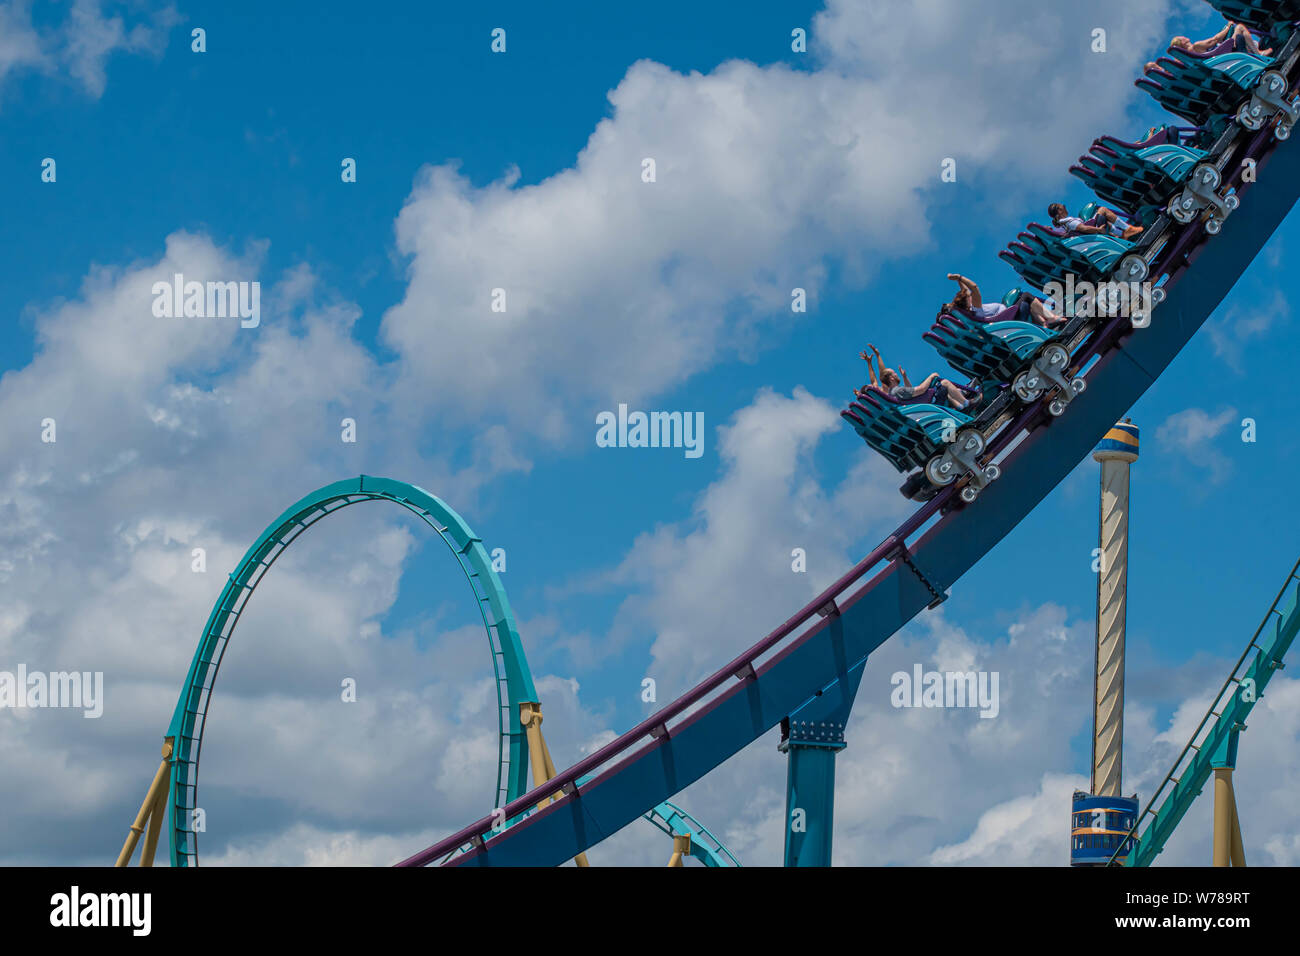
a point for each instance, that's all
(514, 681)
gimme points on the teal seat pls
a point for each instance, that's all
(990, 351)
(906, 435)
(1271, 17)
(1043, 255)
(1200, 87)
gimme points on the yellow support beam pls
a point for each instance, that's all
(1228, 850)
(681, 850)
(152, 811)
(530, 715)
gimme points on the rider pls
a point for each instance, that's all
(1104, 221)
(1239, 33)
(898, 386)
(968, 297)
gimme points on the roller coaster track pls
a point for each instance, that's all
(705, 847)
(910, 570)
(1225, 717)
(514, 681)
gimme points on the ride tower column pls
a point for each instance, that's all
(810, 738)
(1116, 453)
(1101, 818)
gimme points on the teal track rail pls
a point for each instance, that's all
(705, 847)
(514, 682)
(1226, 717)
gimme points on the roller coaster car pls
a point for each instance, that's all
(1008, 350)
(906, 433)
(1205, 87)
(942, 442)
(1270, 17)
(1044, 254)
(1158, 175)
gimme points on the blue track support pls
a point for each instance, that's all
(814, 736)
(810, 803)
(651, 767)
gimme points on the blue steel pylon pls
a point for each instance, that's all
(811, 737)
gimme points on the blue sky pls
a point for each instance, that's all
(521, 170)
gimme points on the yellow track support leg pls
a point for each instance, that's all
(681, 850)
(1228, 850)
(530, 715)
(151, 812)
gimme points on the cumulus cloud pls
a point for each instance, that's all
(1231, 334)
(742, 537)
(165, 432)
(90, 38)
(83, 42)
(1194, 434)
(616, 288)
(20, 46)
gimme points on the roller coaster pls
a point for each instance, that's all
(1208, 196)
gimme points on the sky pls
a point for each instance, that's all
(522, 170)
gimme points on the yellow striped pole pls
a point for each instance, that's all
(1116, 452)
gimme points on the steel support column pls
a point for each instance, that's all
(811, 737)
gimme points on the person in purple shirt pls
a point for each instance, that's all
(968, 297)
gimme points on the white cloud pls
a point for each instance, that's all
(90, 38)
(1238, 327)
(20, 46)
(618, 289)
(1194, 434)
(739, 541)
(83, 42)
(1026, 830)
(176, 433)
